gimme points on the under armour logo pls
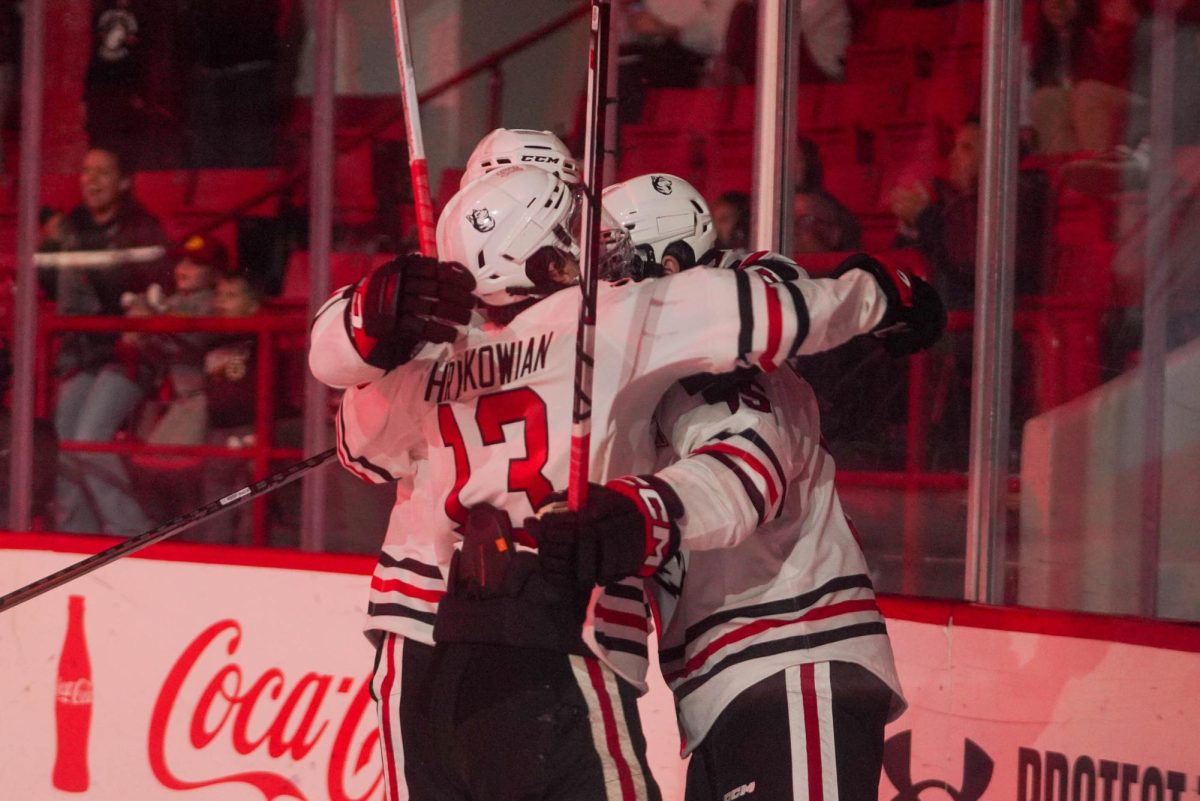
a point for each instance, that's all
(662, 184)
(482, 220)
(897, 764)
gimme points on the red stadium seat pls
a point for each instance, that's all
(878, 231)
(218, 191)
(837, 145)
(865, 104)
(729, 160)
(920, 27)
(855, 185)
(344, 268)
(163, 192)
(652, 149)
(884, 62)
(61, 191)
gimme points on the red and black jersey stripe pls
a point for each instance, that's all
(785, 606)
(411, 565)
(802, 642)
(350, 460)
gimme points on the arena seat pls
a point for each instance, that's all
(855, 185)
(162, 192)
(646, 148)
(729, 161)
(861, 103)
(919, 27)
(870, 62)
(344, 268)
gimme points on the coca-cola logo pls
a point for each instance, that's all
(265, 717)
(76, 692)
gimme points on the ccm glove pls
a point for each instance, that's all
(915, 316)
(628, 527)
(403, 304)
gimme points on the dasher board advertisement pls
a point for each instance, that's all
(172, 678)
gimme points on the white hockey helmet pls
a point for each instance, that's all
(495, 225)
(505, 147)
(664, 215)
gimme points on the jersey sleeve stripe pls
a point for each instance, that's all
(793, 604)
(774, 328)
(622, 645)
(411, 565)
(400, 610)
(343, 456)
(380, 584)
(629, 592)
(756, 498)
(802, 320)
(347, 457)
(745, 316)
(626, 619)
(758, 626)
(749, 460)
(753, 437)
(750, 260)
(802, 642)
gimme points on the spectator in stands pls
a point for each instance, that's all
(731, 220)
(176, 361)
(812, 182)
(669, 43)
(230, 385)
(825, 29)
(98, 392)
(243, 60)
(132, 85)
(1081, 74)
(820, 225)
(940, 218)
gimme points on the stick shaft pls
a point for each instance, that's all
(593, 187)
(165, 531)
(422, 197)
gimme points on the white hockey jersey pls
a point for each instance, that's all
(491, 413)
(769, 573)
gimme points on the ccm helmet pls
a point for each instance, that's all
(508, 228)
(505, 147)
(665, 216)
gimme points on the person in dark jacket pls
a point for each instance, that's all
(98, 390)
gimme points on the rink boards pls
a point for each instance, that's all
(222, 675)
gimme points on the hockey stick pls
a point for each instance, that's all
(166, 530)
(67, 259)
(422, 197)
(589, 252)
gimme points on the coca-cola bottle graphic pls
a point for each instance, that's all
(73, 705)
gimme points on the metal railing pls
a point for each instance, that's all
(267, 328)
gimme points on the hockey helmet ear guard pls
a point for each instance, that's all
(665, 213)
(507, 147)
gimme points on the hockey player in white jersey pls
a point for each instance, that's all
(506, 147)
(770, 637)
(480, 410)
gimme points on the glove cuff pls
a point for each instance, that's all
(660, 508)
(896, 284)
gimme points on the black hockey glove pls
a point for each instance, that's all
(627, 528)
(915, 316)
(403, 304)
